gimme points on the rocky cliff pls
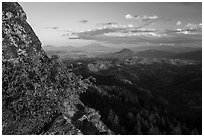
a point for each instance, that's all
(18, 37)
(39, 95)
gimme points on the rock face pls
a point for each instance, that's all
(39, 95)
(18, 37)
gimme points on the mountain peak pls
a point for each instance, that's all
(125, 51)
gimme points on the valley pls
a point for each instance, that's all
(136, 93)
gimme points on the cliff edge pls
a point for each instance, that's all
(39, 95)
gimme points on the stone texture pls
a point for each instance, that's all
(18, 38)
(19, 42)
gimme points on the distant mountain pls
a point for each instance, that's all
(194, 55)
(119, 54)
(175, 49)
(97, 49)
(125, 51)
(154, 54)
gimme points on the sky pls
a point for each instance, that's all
(116, 24)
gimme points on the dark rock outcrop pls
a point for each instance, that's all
(39, 95)
(18, 37)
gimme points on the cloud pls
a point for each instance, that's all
(74, 38)
(153, 38)
(107, 23)
(147, 18)
(142, 30)
(105, 30)
(133, 35)
(51, 27)
(130, 26)
(178, 23)
(83, 21)
(55, 27)
(129, 34)
(193, 27)
(141, 18)
(66, 34)
(62, 29)
(128, 16)
(144, 20)
(96, 32)
(190, 29)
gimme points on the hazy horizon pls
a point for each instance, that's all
(116, 24)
